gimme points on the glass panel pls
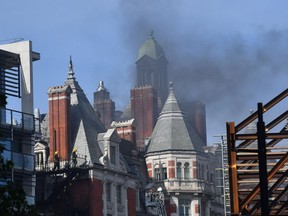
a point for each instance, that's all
(28, 121)
(29, 162)
(18, 160)
(22, 161)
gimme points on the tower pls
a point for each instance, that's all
(151, 67)
(103, 105)
(144, 109)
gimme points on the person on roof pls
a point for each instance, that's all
(74, 158)
(56, 161)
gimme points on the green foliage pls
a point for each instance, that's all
(13, 201)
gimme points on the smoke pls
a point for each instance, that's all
(229, 69)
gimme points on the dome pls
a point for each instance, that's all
(150, 48)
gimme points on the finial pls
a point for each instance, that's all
(101, 86)
(171, 84)
(71, 72)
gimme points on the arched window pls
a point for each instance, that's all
(179, 171)
(157, 174)
(186, 171)
(164, 171)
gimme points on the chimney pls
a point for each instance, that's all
(59, 121)
(144, 109)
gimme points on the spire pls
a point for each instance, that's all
(172, 130)
(71, 72)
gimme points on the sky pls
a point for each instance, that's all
(229, 54)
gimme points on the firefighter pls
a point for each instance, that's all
(56, 161)
(74, 157)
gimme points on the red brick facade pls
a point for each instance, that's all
(144, 109)
(171, 168)
(170, 208)
(195, 171)
(96, 202)
(106, 110)
(127, 133)
(59, 121)
(131, 193)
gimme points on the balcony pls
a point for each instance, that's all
(16, 120)
(189, 185)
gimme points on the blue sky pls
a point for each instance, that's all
(229, 54)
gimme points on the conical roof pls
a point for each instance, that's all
(85, 125)
(172, 130)
(150, 48)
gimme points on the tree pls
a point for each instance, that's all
(12, 196)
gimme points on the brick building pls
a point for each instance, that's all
(103, 105)
(144, 151)
(102, 182)
(178, 164)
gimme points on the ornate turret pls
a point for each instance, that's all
(172, 131)
(152, 67)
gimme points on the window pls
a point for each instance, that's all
(179, 171)
(184, 207)
(186, 171)
(108, 192)
(157, 174)
(119, 194)
(113, 154)
(164, 172)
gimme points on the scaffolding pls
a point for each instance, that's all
(224, 176)
(258, 174)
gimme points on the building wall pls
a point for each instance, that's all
(106, 110)
(96, 202)
(59, 122)
(144, 109)
(196, 114)
(131, 194)
(194, 190)
(23, 142)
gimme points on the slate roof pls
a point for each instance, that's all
(85, 125)
(150, 48)
(172, 130)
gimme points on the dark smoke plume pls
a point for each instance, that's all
(230, 71)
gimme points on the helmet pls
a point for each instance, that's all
(75, 150)
(56, 152)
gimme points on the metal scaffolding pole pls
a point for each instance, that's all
(262, 162)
